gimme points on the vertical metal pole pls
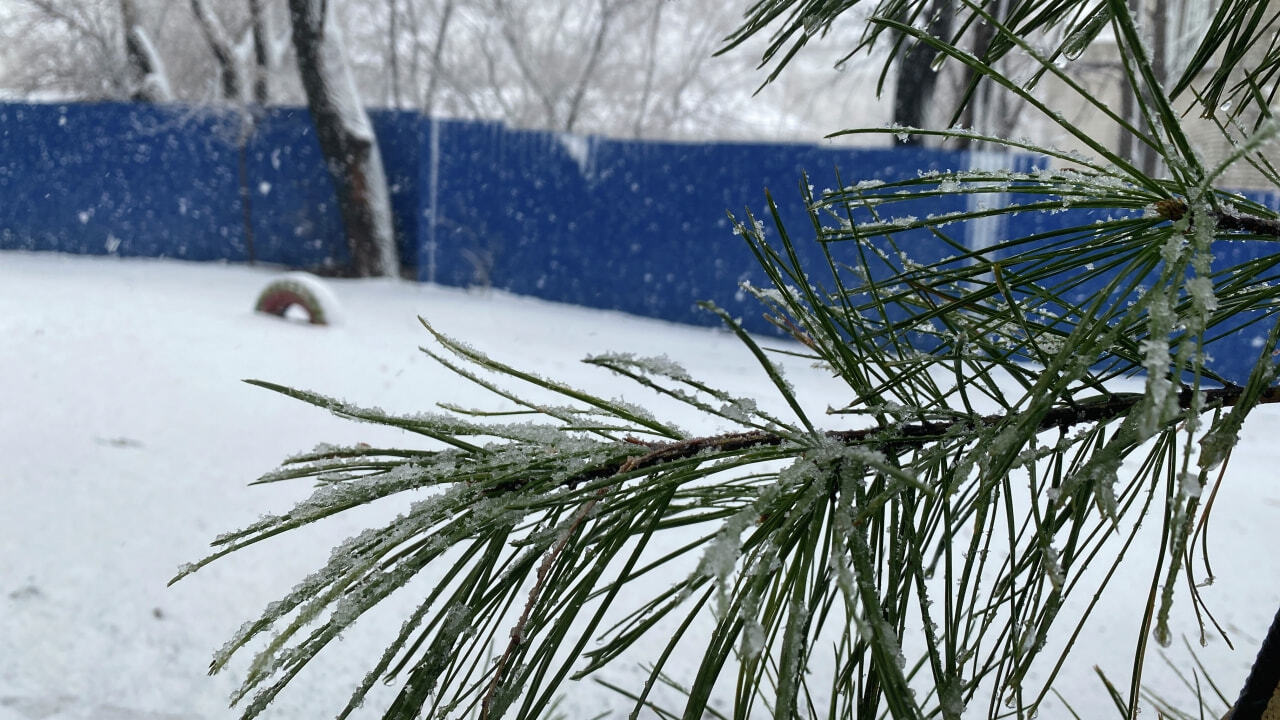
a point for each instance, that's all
(433, 191)
(247, 128)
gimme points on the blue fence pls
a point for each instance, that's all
(633, 226)
(154, 181)
(636, 226)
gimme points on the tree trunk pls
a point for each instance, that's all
(147, 80)
(437, 53)
(216, 36)
(393, 51)
(261, 60)
(916, 76)
(589, 65)
(1159, 44)
(346, 138)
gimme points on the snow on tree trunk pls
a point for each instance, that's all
(346, 137)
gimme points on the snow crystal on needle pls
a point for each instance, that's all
(660, 365)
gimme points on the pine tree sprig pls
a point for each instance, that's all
(923, 564)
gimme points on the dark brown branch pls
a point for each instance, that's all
(1252, 224)
(216, 37)
(261, 58)
(912, 435)
(517, 631)
(1228, 220)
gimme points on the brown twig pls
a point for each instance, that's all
(1229, 220)
(911, 435)
(517, 630)
(1251, 224)
(785, 324)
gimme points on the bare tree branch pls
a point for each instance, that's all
(589, 67)
(216, 36)
(1226, 219)
(650, 69)
(516, 45)
(261, 57)
(148, 81)
(393, 50)
(437, 53)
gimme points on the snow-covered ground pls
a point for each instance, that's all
(126, 442)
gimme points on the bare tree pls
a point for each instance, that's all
(682, 87)
(437, 52)
(119, 49)
(346, 137)
(147, 79)
(639, 68)
(578, 34)
(220, 45)
(90, 63)
(419, 29)
(916, 78)
(652, 28)
(603, 28)
(642, 68)
(393, 50)
(275, 79)
(261, 56)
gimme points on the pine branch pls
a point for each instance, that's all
(911, 435)
(907, 436)
(1226, 219)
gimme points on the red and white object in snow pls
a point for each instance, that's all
(302, 290)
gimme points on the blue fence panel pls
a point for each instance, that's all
(635, 226)
(122, 179)
(1240, 341)
(468, 175)
(165, 181)
(400, 138)
(295, 213)
(296, 220)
